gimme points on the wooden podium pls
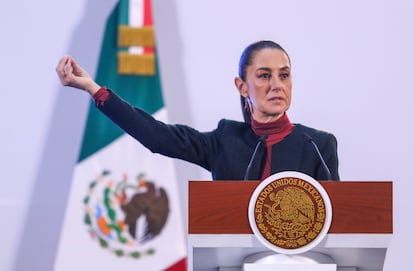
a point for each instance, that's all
(219, 234)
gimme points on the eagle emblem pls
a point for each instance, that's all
(291, 213)
(291, 204)
(125, 215)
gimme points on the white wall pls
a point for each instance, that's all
(352, 67)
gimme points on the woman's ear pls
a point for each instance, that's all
(241, 87)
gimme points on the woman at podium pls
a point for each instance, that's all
(266, 142)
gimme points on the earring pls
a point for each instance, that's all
(246, 105)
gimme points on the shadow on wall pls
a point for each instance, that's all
(40, 238)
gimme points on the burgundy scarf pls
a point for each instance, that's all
(276, 132)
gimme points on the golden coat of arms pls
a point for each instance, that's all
(290, 212)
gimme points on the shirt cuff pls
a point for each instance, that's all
(101, 96)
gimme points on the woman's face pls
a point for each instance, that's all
(268, 84)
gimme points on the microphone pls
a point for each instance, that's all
(261, 139)
(327, 171)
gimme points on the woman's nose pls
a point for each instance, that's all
(275, 83)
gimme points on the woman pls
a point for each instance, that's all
(266, 143)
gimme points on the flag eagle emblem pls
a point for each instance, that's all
(124, 215)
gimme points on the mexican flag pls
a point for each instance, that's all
(123, 211)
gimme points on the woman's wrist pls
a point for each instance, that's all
(93, 88)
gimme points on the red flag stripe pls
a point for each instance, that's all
(148, 22)
(181, 265)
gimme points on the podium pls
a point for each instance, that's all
(220, 237)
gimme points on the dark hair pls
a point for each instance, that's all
(246, 60)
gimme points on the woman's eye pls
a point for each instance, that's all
(284, 75)
(264, 75)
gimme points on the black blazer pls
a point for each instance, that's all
(227, 150)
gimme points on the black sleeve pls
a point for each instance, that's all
(176, 141)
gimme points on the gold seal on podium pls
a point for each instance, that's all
(290, 212)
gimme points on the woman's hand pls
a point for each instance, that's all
(73, 75)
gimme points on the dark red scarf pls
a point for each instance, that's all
(276, 132)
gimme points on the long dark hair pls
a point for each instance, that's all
(245, 61)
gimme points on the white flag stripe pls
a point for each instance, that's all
(136, 19)
(136, 13)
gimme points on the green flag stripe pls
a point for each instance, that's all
(124, 12)
(141, 91)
